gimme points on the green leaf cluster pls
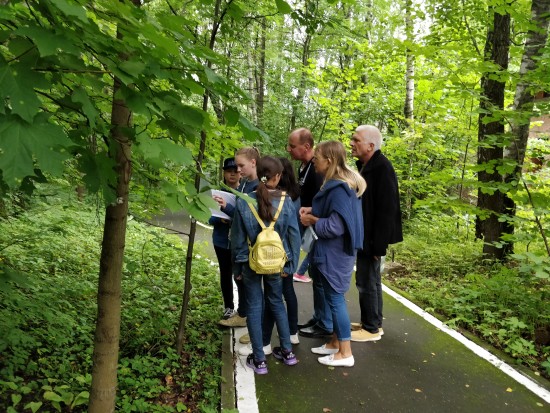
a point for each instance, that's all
(48, 287)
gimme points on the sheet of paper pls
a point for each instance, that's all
(229, 199)
(228, 196)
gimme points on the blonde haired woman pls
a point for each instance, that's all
(338, 222)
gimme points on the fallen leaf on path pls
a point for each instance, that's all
(345, 374)
(418, 390)
(509, 390)
(326, 410)
(467, 385)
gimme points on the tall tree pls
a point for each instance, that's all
(107, 332)
(490, 133)
(535, 43)
(409, 71)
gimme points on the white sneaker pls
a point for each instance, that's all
(294, 339)
(247, 350)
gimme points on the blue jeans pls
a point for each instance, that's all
(291, 307)
(321, 310)
(304, 265)
(339, 310)
(369, 284)
(273, 285)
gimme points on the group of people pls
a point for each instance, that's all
(354, 214)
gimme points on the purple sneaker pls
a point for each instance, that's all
(259, 367)
(287, 356)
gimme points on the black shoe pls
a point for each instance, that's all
(315, 332)
(310, 323)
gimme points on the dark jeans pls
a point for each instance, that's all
(226, 276)
(243, 305)
(369, 284)
(291, 308)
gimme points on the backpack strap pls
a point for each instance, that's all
(260, 221)
(281, 202)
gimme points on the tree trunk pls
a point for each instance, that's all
(107, 333)
(251, 86)
(260, 76)
(180, 336)
(490, 152)
(409, 73)
(523, 101)
(302, 85)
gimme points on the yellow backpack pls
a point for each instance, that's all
(267, 255)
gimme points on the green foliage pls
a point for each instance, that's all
(48, 312)
(502, 303)
(58, 60)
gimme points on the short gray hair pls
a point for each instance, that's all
(371, 134)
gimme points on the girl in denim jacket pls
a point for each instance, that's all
(245, 228)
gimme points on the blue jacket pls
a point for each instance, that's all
(335, 250)
(245, 187)
(245, 227)
(220, 234)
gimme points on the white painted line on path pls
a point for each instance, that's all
(245, 385)
(478, 350)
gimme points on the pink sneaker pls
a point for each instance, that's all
(301, 278)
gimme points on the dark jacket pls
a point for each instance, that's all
(380, 205)
(310, 182)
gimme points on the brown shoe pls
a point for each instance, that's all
(363, 335)
(358, 326)
(235, 321)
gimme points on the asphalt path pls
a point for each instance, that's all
(415, 367)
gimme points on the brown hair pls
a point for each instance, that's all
(267, 168)
(304, 136)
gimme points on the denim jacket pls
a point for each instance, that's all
(245, 227)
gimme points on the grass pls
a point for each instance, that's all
(48, 286)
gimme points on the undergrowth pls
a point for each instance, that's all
(49, 266)
(504, 304)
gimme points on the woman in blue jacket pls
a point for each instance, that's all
(337, 219)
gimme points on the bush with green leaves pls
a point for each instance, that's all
(49, 266)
